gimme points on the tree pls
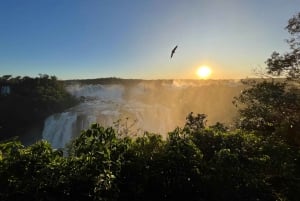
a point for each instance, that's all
(272, 106)
(95, 162)
(5, 77)
(205, 164)
(195, 122)
(288, 64)
(29, 102)
(27, 173)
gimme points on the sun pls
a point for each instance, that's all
(204, 72)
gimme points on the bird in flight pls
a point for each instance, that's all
(173, 51)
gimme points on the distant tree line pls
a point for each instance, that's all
(29, 102)
(105, 81)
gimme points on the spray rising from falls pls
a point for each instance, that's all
(153, 106)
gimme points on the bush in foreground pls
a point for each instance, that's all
(193, 163)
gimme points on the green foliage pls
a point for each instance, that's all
(31, 100)
(97, 156)
(270, 107)
(195, 122)
(282, 114)
(141, 172)
(288, 64)
(191, 164)
(29, 173)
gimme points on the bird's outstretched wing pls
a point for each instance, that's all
(173, 51)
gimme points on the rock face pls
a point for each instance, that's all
(153, 106)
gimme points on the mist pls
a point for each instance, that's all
(157, 106)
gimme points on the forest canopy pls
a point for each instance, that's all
(193, 163)
(26, 101)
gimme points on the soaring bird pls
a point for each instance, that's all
(173, 51)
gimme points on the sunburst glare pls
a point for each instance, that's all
(204, 72)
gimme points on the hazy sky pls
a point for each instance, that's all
(134, 38)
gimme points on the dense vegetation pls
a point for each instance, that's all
(194, 163)
(29, 102)
(259, 160)
(271, 108)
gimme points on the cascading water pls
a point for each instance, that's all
(59, 128)
(101, 105)
(156, 107)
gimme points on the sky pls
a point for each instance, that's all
(80, 39)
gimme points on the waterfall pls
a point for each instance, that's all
(155, 107)
(58, 129)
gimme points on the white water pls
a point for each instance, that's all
(157, 107)
(59, 127)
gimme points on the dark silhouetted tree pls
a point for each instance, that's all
(273, 106)
(288, 64)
